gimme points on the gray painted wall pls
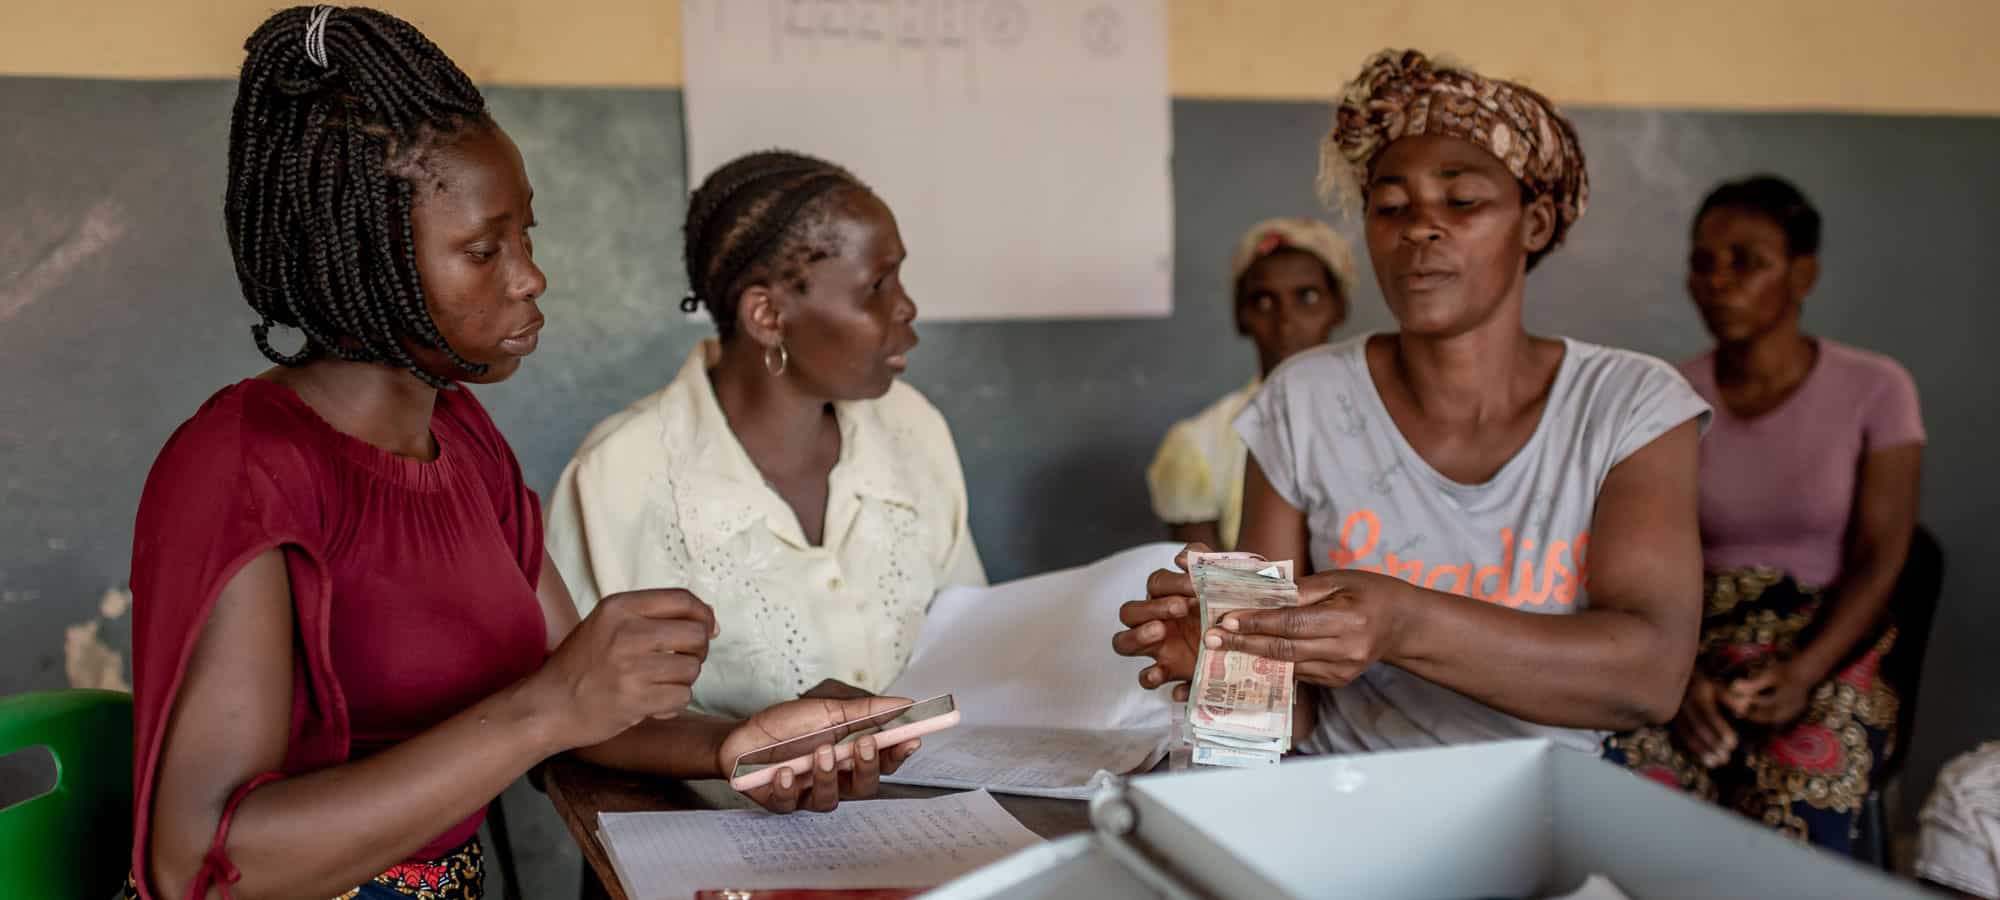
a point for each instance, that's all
(119, 314)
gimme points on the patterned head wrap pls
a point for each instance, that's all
(1401, 93)
(1310, 235)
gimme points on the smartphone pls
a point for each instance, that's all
(758, 767)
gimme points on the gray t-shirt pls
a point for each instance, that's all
(1320, 433)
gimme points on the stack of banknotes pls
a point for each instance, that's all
(1239, 710)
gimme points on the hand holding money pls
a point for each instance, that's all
(1164, 627)
(1239, 711)
(1347, 621)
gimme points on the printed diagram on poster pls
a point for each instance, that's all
(1025, 145)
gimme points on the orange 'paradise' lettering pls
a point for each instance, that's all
(1463, 572)
(1501, 574)
(1512, 582)
(1565, 591)
(1411, 571)
(1525, 592)
(1581, 553)
(1345, 554)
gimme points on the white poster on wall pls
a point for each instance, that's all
(1023, 144)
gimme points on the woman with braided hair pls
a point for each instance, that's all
(785, 475)
(1500, 527)
(348, 638)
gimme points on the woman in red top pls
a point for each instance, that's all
(348, 638)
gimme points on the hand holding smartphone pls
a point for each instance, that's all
(756, 768)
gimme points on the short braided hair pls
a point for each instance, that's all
(323, 161)
(1777, 199)
(758, 219)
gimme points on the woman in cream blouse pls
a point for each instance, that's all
(785, 476)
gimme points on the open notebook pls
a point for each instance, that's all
(866, 844)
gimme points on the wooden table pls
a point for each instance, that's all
(580, 791)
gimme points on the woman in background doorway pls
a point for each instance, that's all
(1290, 277)
(1808, 499)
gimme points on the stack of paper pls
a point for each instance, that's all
(862, 844)
(1038, 762)
(1045, 703)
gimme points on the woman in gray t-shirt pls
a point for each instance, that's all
(1501, 527)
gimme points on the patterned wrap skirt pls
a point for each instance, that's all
(458, 875)
(1806, 779)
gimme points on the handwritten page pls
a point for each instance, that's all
(869, 843)
(1039, 762)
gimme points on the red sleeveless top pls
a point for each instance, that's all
(413, 583)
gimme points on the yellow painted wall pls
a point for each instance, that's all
(1863, 55)
(1875, 55)
(581, 42)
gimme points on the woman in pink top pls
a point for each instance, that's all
(1808, 499)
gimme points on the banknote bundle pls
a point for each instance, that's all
(1239, 710)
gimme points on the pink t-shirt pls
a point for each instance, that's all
(1777, 490)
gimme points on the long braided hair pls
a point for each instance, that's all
(327, 145)
(759, 219)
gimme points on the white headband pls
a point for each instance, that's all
(316, 35)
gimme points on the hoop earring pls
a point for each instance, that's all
(784, 360)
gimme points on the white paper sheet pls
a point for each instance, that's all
(867, 843)
(1039, 762)
(1025, 145)
(1036, 654)
(1596, 887)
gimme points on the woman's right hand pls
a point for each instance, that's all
(635, 656)
(1165, 626)
(1701, 724)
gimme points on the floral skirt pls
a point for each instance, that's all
(1806, 779)
(458, 875)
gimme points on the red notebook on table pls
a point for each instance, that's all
(812, 894)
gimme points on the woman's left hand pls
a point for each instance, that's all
(1777, 697)
(1346, 621)
(828, 783)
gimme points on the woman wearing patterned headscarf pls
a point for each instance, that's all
(1290, 277)
(1500, 527)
